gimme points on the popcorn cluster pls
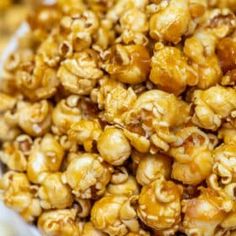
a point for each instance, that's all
(119, 118)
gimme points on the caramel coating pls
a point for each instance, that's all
(66, 113)
(118, 221)
(170, 70)
(159, 204)
(128, 64)
(59, 222)
(34, 119)
(113, 146)
(170, 29)
(15, 154)
(208, 207)
(45, 156)
(193, 156)
(79, 74)
(20, 195)
(151, 167)
(151, 109)
(126, 187)
(85, 132)
(87, 175)
(53, 193)
(213, 105)
(224, 157)
(118, 118)
(90, 230)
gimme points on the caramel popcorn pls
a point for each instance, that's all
(20, 195)
(170, 29)
(151, 167)
(79, 74)
(208, 207)
(90, 230)
(15, 154)
(59, 222)
(213, 105)
(85, 132)
(159, 204)
(118, 221)
(193, 156)
(34, 119)
(66, 113)
(87, 175)
(45, 156)
(118, 118)
(170, 70)
(53, 193)
(113, 146)
(128, 64)
(127, 186)
(224, 157)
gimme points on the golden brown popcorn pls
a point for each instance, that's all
(87, 175)
(113, 146)
(79, 28)
(21, 59)
(36, 80)
(90, 230)
(170, 29)
(151, 167)
(70, 6)
(66, 113)
(45, 156)
(226, 49)
(122, 183)
(80, 73)
(106, 86)
(134, 32)
(203, 214)
(231, 4)
(122, 6)
(45, 18)
(53, 193)
(192, 152)
(171, 71)
(159, 204)
(115, 215)
(100, 7)
(140, 233)
(200, 49)
(137, 140)
(59, 222)
(7, 102)
(197, 7)
(86, 133)
(117, 102)
(224, 162)
(221, 22)
(150, 117)
(34, 118)
(213, 105)
(105, 36)
(128, 63)
(228, 134)
(9, 131)
(14, 154)
(20, 195)
(53, 49)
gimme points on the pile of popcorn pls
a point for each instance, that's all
(119, 118)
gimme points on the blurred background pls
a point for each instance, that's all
(12, 13)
